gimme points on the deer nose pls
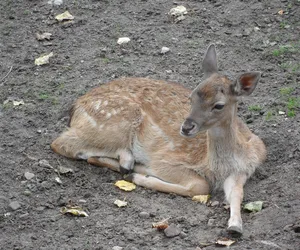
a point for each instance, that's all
(188, 126)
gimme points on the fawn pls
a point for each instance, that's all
(133, 125)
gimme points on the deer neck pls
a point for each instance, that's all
(222, 139)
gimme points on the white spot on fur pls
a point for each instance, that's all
(108, 115)
(98, 104)
(90, 119)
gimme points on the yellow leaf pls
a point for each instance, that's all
(120, 203)
(201, 198)
(43, 59)
(225, 242)
(76, 211)
(161, 225)
(64, 16)
(125, 185)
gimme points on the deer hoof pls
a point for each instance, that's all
(129, 177)
(125, 170)
(235, 230)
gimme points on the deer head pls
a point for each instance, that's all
(213, 101)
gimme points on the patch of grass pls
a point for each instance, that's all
(292, 103)
(105, 60)
(269, 115)
(254, 108)
(283, 49)
(291, 113)
(283, 24)
(43, 96)
(286, 91)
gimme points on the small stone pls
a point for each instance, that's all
(247, 32)
(288, 227)
(164, 50)
(211, 222)
(183, 235)
(117, 248)
(123, 40)
(23, 215)
(28, 175)
(144, 215)
(27, 193)
(39, 131)
(256, 29)
(82, 201)
(168, 71)
(281, 112)
(14, 205)
(172, 231)
(215, 203)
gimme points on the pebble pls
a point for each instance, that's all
(23, 215)
(144, 215)
(27, 193)
(211, 222)
(215, 203)
(117, 248)
(183, 235)
(164, 50)
(56, 2)
(28, 175)
(172, 231)
(123, 40)
(14, 205)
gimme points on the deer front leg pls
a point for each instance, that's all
(234, 191)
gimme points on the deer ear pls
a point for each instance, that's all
(246, 83)
(209, 64)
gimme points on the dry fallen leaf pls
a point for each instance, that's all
(280, 12)
(254, 206)
(161, 225)
(178, 11)
(43, 59)
(44, 36)
(64, 16)
(18, 103)
(76, 211)
(225, 242)
(120, 203)
(201, 198)
(125, 185)
(64, 170)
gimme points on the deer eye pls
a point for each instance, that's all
(219, 106)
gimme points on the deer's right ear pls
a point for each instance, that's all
(209, 64)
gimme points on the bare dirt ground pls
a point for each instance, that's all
(249, 35)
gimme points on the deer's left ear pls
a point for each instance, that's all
(246, 83)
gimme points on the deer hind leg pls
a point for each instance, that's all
(170, 179)
(71, 145)
(233, 188)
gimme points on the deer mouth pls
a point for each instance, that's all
(189, 129)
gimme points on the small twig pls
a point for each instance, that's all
(7, 74)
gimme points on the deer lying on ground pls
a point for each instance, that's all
(133, 125)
